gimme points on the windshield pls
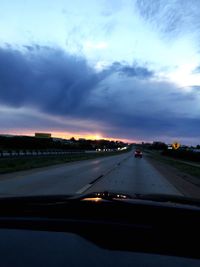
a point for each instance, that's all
(100, 96)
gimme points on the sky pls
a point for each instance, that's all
(121, 69)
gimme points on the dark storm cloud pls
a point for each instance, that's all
(132, 71)
(153, 128)
(127, 100)
(136, 72)
(51, 79)
(44, 77)
(147, 108)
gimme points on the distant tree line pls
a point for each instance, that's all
(32, 143)
(155, 146)
(183, 153)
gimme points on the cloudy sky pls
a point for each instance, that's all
(122, 69)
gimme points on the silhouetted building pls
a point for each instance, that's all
(43, 135)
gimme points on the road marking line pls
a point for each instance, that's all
(84, 188)
(87, 186)
(95, 180)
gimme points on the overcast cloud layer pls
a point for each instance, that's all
(136, 82)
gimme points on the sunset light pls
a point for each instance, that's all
(91, 73)
(99, 102)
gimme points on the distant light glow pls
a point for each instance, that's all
(98, 45)
(95, 199)
(101, 65)
(98, 137)
(184, 75)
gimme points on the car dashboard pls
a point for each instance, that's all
(98, 233)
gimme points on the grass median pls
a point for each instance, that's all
(8, 165)
(181, 166)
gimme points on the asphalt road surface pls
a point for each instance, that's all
(122, 173)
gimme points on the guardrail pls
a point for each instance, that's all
(35, 153)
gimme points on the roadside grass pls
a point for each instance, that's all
(183, 167)
(8, 165)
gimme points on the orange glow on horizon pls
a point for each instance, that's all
(68, 135)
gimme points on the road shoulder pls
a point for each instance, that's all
(188, 185)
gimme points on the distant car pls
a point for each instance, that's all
(138, 153)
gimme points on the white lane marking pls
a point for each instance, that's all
(84, 188)
(87, 186)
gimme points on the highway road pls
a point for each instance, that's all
(122, 173)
